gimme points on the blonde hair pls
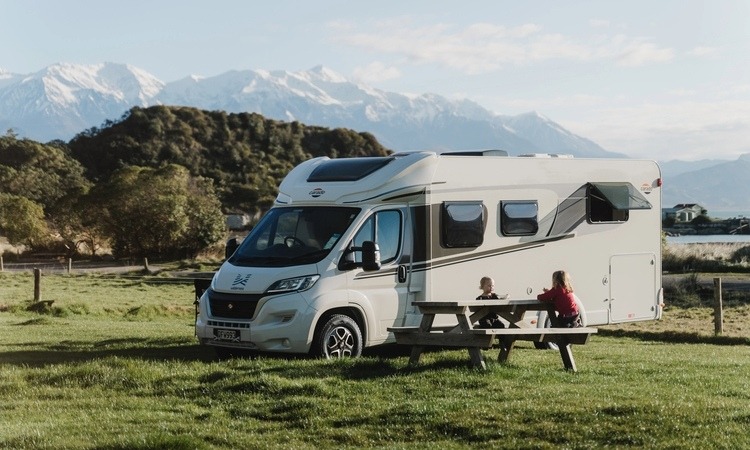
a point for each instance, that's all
(562, 279)
(484, 281)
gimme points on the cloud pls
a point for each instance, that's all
(599, 23)
(376, 72)
(703, 51)
(639, 53)
(486, 47)
(687, 130)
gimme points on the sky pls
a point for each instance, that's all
(664, 80)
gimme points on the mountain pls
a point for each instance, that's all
(720, 186)
(65, 99)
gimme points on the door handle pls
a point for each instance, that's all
(402, 274)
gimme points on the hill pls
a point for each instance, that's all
(245, 154)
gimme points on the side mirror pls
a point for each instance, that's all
(230, 248)
(370, 256)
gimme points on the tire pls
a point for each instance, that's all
(339, 337)
(548, 324)
(546, 345)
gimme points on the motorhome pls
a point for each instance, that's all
(350, 243)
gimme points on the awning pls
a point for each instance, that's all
(622, 196)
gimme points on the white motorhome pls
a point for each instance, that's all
(308, 277)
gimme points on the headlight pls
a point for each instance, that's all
(293, 284)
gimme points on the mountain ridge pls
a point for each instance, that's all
(63, 100)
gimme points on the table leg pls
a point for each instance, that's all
(416, 354)
(506, 345)
(567, 356)
(477, 360)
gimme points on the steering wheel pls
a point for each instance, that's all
(293, 241)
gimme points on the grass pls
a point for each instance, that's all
(94, 374)
(706, 257)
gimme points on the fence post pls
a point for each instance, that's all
(37, 285)
(70, 265)
(718, 310)
(145, 265)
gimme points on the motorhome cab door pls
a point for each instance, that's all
(385, 290)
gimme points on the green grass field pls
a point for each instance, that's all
(112, 364)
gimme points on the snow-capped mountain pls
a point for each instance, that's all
(65, 99)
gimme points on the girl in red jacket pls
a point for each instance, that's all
(562, 296)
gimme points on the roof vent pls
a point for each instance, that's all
(492, 152)
(545, 155)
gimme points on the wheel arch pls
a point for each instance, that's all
(355, 313)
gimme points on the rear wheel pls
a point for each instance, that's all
(546, 345)
(339, 337)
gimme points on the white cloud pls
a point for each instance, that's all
(687, 130)
(599, 23)
(376, 72)
(703, 51)
(485, 47)
(639, 53)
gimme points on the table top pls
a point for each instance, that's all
(480, 303)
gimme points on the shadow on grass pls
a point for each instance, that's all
(68, 351)
(45, 354)
(676, 337)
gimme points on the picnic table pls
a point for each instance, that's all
(465, 334)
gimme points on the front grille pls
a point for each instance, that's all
(232, 306)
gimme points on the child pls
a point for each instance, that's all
(565, 304)
(487, 285)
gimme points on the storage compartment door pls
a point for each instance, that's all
(632, 288)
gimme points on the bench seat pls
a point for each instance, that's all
(570, 335)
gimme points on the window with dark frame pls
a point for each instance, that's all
(612, 202)
(519, 217)
(463, 224)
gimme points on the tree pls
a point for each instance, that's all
(159, 212)
(702, 219)
(246, 155)
(41, 173)
(22, 221)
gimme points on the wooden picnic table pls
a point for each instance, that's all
(466, 335)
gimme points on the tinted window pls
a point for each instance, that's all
(519, 218)
(462, 224)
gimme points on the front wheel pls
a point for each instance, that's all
(339, 337)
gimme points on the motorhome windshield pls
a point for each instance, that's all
(292, 236)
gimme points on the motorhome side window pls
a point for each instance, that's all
(602, 209)
(462, 224)
(384, 228)
(613, 201)
(519, 218)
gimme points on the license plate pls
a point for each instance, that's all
(226, 335)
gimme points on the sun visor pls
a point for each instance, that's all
(622, 196)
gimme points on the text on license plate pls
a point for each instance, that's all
(227, 335)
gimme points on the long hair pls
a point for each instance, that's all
(562, 279)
